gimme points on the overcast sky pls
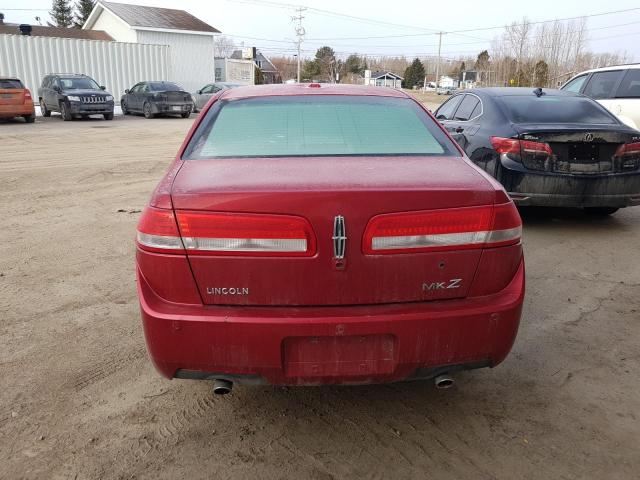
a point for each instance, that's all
(273, 25)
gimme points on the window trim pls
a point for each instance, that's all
(450, 99)
(472, 118)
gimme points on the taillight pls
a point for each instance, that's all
(246, 234)
(440, 230)
(629, 156)
(628, 149)
(534, 155)
(506, 145)
(158, 231)
(27, 95)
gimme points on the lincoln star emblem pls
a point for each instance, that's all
(339, 237)
(588, 137)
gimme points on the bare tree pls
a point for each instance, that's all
(223, 47)
(517, 34)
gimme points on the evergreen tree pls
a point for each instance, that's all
(414, 74)
(83, 10)
(482, 62)
(354, 64)
(541, 74)
(311, 70)
(62, 13)
(326, 61)
(259, 76)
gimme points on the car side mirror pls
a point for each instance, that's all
(56, 88)
(126, 91)
(199, 92)
(102, 87)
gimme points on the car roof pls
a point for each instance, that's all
(66, 75)
(307, 89)
(9, 78)
(519, 92)
(611, 67)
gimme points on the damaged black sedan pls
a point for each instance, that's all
(548, 147)
(153, 99)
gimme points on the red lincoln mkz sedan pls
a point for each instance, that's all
(312, 234)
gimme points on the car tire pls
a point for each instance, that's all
(601, 211)
(65, 113)
(29, 118)
(108, 116)
(146, 109)
(123, 105)
(43, 108)
(185, 114)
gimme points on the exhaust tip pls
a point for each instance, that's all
(222, 387)
(444, 381)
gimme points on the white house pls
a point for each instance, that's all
(382, 79)
(447, 82)
(190, 40)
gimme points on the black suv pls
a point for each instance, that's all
(74, 95)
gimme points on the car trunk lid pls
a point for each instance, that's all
(12, 96)
(320, 190)
(575, 149)
(174, 96)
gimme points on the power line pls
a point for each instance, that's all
(552, 34)
(483, 28)
(331, 13)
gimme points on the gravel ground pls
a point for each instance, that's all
(80, 400)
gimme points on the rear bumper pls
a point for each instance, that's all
(566, 190)
(10, 111)
(330, 345)
(173, 107)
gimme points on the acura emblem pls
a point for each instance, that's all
(588, 137)
(339, 237)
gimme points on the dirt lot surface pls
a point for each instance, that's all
(80, 400)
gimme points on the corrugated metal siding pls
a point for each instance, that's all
(192, 57)
(116, 65)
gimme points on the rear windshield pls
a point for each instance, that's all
(78, 83)
(554, 109)
(10, 83)
(164, 87)
(317, 125)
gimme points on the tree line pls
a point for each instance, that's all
(524, 54)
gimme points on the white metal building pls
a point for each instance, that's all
(112, 64)
(190, 40)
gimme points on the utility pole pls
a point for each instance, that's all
(438, 62)
(300, 32)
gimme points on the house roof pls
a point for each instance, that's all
(40, 31)
(385, 74)
(153, 18)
